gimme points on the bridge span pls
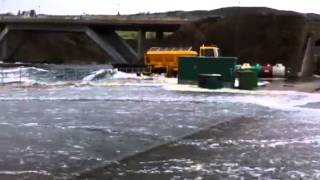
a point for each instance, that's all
(100, 29)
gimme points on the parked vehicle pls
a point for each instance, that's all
(165, 59)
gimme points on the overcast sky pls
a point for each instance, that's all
(76, 7)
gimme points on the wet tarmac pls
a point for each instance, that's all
(243, 148)
(58, 133)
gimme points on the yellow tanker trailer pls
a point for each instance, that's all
(165, 59)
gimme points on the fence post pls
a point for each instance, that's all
(20, 75)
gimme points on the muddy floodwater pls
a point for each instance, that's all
(68, 128)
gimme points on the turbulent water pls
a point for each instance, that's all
(57, 122)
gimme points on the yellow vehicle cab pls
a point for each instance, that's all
(209, 51)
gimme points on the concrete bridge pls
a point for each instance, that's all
(101, 29)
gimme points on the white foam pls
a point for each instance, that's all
(75, 158)
(31, 124)
(122, 83)
(63, 152)
(123, 75)
(284, 100)
(96, 74)
(110, 74)
(296, 174)
(275, 101)
(41, 172)
(78, 147)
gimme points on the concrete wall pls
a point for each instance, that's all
(254, 39)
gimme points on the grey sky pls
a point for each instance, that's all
(135, 6)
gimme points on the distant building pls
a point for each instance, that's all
(31, 13)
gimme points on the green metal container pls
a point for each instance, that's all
(210, 81)
(222, 65)
(188, 70)
(191, 67)
(257, 69)
(248, 80)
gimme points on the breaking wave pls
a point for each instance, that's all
(20, 75)
(63, 75)
(49, 76)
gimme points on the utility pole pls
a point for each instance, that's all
(118, 8)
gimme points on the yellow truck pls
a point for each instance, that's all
(165, 59)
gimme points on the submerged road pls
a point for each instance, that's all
(244, 148)
(279, 140)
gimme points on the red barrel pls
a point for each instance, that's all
(266, 71)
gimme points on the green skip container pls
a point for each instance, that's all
(191, 67)
(210, 81)
(248, 80)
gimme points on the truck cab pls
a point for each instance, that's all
(209, 51)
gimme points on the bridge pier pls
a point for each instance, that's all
(4, 50)
(15, 47)
(159, 35)
(309, 62)
(4, 43)
(121, 46)
(102, 41)
(317, 55)
(141, 44)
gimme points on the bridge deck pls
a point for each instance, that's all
(116, 22)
